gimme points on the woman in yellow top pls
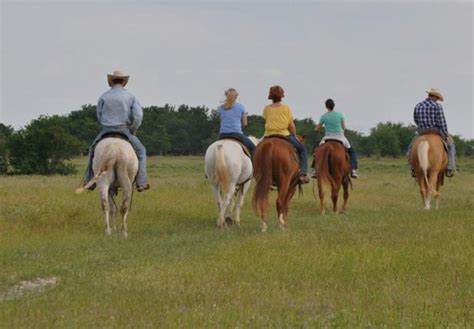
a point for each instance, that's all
(279, 121)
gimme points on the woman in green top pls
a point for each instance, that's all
(335, 125)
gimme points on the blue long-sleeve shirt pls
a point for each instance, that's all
(117, 107)
(429, 114)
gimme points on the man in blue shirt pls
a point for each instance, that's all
(429, 116)
(118, 111)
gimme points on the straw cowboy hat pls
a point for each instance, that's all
(435, 92)
(117, 75)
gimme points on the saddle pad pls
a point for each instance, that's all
(236, 139)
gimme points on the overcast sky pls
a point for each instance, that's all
(374, 58)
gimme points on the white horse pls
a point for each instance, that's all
(115, 165)
(229, 171)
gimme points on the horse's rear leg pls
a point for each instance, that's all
(106, 206)
(225, 204)
(217, 196)
(434, 184)
(113, 211)
(124, 210)
(334, 197)
(345, 186)
(283, 191)
(321, 197)
(286, 204)
(424, 191)
(240, 201)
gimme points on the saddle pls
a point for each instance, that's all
(334, 140)
(115, 135)
(237, 139)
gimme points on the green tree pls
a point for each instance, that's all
(5, 134)
(43, 146)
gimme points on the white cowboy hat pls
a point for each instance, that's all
(435, 92)
(117, 75)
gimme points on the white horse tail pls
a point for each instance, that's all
(424, 162)
(92, 181)
(221, 174)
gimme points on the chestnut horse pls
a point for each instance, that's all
(275, 160)
(332, 169)
(429, 160)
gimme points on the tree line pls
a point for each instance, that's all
(42, 146)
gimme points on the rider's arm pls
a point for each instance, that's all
(343, 124)
(292, 128)
(318, 128)
(100, 107)
(443, 126)
(137, 114)
(244, 120)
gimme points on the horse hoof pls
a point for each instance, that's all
(229, 221)
(108, 231)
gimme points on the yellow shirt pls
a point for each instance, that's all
(277, 119)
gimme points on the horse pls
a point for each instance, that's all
(115, 165)
(429, 160)
(229, 171)
(275, 161)
(332, 169)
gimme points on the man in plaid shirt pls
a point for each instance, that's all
(429, 115)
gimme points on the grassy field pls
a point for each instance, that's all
(386, 263)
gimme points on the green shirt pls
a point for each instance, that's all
(332, 121)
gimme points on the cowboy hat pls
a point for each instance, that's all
(117, 75)
(435, 92)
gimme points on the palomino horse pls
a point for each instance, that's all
(229, 171)
(429, 160)
(275, 160)
(332, 169)
(115, 165)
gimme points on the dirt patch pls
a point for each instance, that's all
(37, 285)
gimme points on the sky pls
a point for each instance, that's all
(374, 58)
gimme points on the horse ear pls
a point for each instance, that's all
(302, 138)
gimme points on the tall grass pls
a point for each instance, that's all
(386, 263)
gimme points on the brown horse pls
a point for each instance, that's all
(275, 160)
(332, 169)
(429, 160)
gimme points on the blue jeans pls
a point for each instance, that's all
(353, 156)
(244, 139)
(140, 150)
(302, 153)
(451, 149)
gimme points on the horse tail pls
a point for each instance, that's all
(92, 181)
(221, 174)
(324, 166)
(263, 177)
(423, 160)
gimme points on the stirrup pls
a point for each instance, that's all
(143, 188)
(304, 179)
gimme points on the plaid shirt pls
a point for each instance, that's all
(429, 114)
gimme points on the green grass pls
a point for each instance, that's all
(386, 263)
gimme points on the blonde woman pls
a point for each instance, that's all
(233, 118)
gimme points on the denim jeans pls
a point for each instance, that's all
(244, 139)
(302, 153)
(140, 150)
